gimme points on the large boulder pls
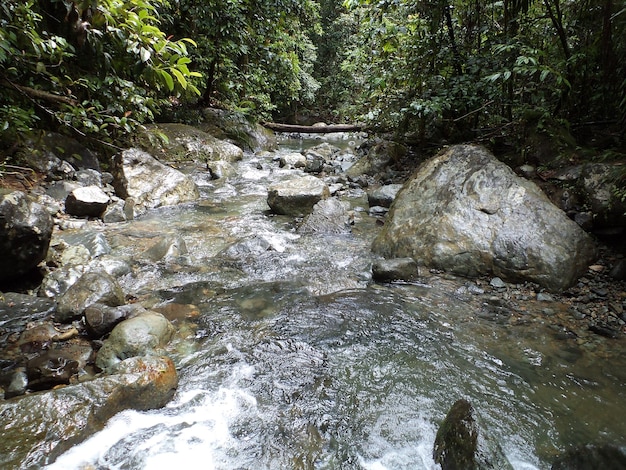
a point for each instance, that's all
(235, 127)
(25, 231)
(38, 427)
(296, 196)
(184, 143)
(604, 457)
(379, 156)
(149, 183)
(465, 212)
(329, 216)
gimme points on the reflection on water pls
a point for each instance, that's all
(297, 360)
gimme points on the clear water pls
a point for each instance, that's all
(299, 361)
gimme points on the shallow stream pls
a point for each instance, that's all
(294, 359)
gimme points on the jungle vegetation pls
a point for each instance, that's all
(428, 71)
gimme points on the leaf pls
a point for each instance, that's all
(145, 54)
(180, 77)
(169, 80)
(544, 75)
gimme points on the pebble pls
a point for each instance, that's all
(543, 297)
(497, 283)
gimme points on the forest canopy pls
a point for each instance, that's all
(430, 71)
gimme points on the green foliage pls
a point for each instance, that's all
(438, 69)
(96, 67)
(255, 56)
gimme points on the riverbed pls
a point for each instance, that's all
(294, 358)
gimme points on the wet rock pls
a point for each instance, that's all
(377, 159)
(459, 445)
(91, 288)
(25, 232)
(383, 196)
(43, 425)
(467, 213)
(497, 283)
(115, 212)
(619, 270)
(100, 319)
(89, 201)
(138, 336)
(314, 162)
(95, 242)
(50, 369)
(185, 143)
(166, 249)
(292, 160)
(395, 269)
(242, 249)
(229, 125)
(18, 383)
(221, 169)
(604, 330)
(329, 216)
(604, 457)
(149, 183)
(16, 310)
(296, 196)
(597, 185)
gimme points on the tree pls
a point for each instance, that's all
(95, 67)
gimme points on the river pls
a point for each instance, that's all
(295, 359)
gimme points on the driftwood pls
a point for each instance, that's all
(327, 129)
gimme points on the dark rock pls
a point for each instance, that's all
(25, 231)
(458, 445)
(100, 319)
(89, 201)
(50, 369)
(379, 155)
(465, 212)
(619, 270)
(592, 457)
(314, 162)
(604, 330)
(44, 425)
(91, 288)
(395, 269)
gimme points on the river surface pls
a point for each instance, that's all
(292, 358)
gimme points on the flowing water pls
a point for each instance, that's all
(295, 359)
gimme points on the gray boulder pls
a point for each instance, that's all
(88, 201)
(25, 231)
(292, 160)
(465, 212)
(140, 335)
(185, 143)
(233, 126)
(329, 216)
(377, 159)
(296, 196)
(149, 183)
(43, 425)
(384, 195)
(92, 287)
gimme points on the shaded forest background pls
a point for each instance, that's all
(505, 73)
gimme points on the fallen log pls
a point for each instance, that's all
(317, 129)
